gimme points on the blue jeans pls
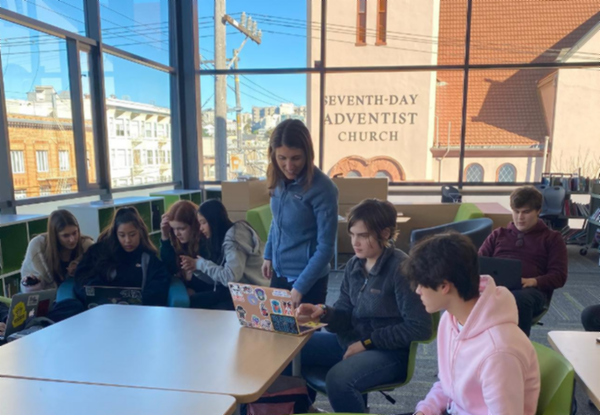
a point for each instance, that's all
(348, 378)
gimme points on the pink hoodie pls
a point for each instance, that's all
(490, 367)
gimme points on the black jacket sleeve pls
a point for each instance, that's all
(168, 256)
(87, 272)
(339, 317)
(156, 290)
(417, 324)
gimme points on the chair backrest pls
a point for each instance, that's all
(451, 195)
(553, 201)
(476, 229)
(412, 356)
(260, 219)
(4, 300)
(558, 380)
(468, 211)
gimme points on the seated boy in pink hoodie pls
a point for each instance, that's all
(487, 365)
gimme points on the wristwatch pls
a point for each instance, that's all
(324, 308)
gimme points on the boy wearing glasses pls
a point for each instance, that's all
(542, 252)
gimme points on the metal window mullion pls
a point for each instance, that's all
(98, 102)
(176, 143)
(78, 114)
(7, 190)
(322, 77)
(463, 124)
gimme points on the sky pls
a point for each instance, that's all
(31, 58)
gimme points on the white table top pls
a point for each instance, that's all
(27, 397)
(583, 352)
(154, 347)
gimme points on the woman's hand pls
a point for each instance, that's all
(71, 268)
(2, 329)
(296, 298)
(309, 312)
(266, 269)
(353, 349)
(188, 264)
(165, 228)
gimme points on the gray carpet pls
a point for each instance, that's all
(582, 289)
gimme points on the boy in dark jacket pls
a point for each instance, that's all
(376, 317)
(542, 252)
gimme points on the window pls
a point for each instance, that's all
(91, 160)
(148, 129)
(66, 188)
(120, 127)
(18, 162)
(20, 194)
(135, 128)
(66, 15)
(41, 158)
(381, 22)
(111, 126)
(45, 191)
(361, 24)
(129, 158)
(474, 173)
(64, 161)
(120, 159)
(353, 173)
(161, 130)
(507, 173)
(150, 157)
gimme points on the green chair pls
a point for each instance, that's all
(468, 211)
(4, 300)
(558, 382)
(316, 379)
(260, 219)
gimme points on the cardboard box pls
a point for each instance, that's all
(354, 190)
(244, 195)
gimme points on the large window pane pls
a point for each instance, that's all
(283, 26)
(137, 26)
(36, 81)
(265, 100)
(66, 14)
(390, 33)
(90, 144)
(517, 31)
(137, 101)
(397, 125)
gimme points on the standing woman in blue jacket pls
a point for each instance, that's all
(305, 216)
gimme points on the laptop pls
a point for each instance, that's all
(269, 309)
(99, 295)
(27, 305)
(505, 272)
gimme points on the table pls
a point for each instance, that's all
(583, 352)
(26, 397)
(154, 347)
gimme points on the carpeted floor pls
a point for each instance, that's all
(582, 289)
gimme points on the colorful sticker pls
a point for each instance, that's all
(276, 306)
(246, 289)
(260, 293)
(255, 321)
(236, 292)
(90, 291)
(244, 322)
(281, 293)
(285, 324)
(263, 310)
(19, 315)
(266, 324)
(287, 308)
(241, 312)
(252, 299)
(33, 300)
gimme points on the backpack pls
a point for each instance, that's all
(287, 395)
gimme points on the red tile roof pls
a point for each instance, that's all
(503, 107)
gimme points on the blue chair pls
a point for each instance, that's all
(178, 296)
(553, 204)
(476, 229)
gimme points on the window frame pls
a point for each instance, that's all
(382, 6)
(41, 161)
(361, 23)
(472, 165)
(499, 171)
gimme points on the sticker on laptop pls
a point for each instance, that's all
(33, 300)
(287, 308)
(236, 293)
(246, 289)
(19, 315)
(90, 291)
(260, 293)
(266, 324)
(255, 321)
(281, 293)
(241, 312)
(263, 310)
(252, 299)
(276, 306)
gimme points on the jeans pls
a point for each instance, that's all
(530, 303)
(347, 379)
(316, 295)
(590, 318)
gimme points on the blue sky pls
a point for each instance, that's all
(31, 58)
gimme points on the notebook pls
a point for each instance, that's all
(269, 309)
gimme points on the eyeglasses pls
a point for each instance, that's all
(520, 241)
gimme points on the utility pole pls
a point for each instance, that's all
(220, 92)
(248, 28)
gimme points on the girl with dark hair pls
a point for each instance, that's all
(124, 256)
(53, 256)
(375, 319)
(234, 254)
(304, 204)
